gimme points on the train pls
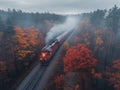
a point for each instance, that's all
(48, 51)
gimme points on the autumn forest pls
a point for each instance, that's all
(90, 59)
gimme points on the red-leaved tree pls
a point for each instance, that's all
(114, 74)
(78, 57)
(59, 82)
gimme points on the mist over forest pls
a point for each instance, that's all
(22, 36)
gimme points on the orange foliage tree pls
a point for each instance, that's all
(86, 38)
(99, 41)
(27, 41)
(99, 35)
(78, 57)
(113, 75)
(66, 46)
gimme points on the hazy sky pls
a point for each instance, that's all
(58, 6)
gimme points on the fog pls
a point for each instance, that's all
(58, 6)
(69, 24)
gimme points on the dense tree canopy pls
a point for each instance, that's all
(78, 57)
(113, 74)
(113, 19)
(22, 36)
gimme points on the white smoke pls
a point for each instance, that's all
(69, 24)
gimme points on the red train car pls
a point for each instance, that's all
(49, 50)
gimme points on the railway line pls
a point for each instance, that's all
(35, 79)
(30, 82)
(39, 76)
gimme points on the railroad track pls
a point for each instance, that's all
(39, 76)
(30, 82)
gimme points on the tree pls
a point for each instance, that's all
(66, 46)
(9, 28)
(113, 74)
(59, 82)
(97, 18)
(8, 44)
(78, 57)
(113, 19)
(2, 25)
(87, 38)
(27, 41)
(99, 41)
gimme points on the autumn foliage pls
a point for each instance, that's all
(78, 57)
(114, 74)
(66, 45)
(27, 40)
(59, 81)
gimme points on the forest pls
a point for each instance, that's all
(21, 38)
(90, 60)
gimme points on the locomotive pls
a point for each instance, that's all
(49, 50)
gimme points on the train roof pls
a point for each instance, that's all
(48, 46)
